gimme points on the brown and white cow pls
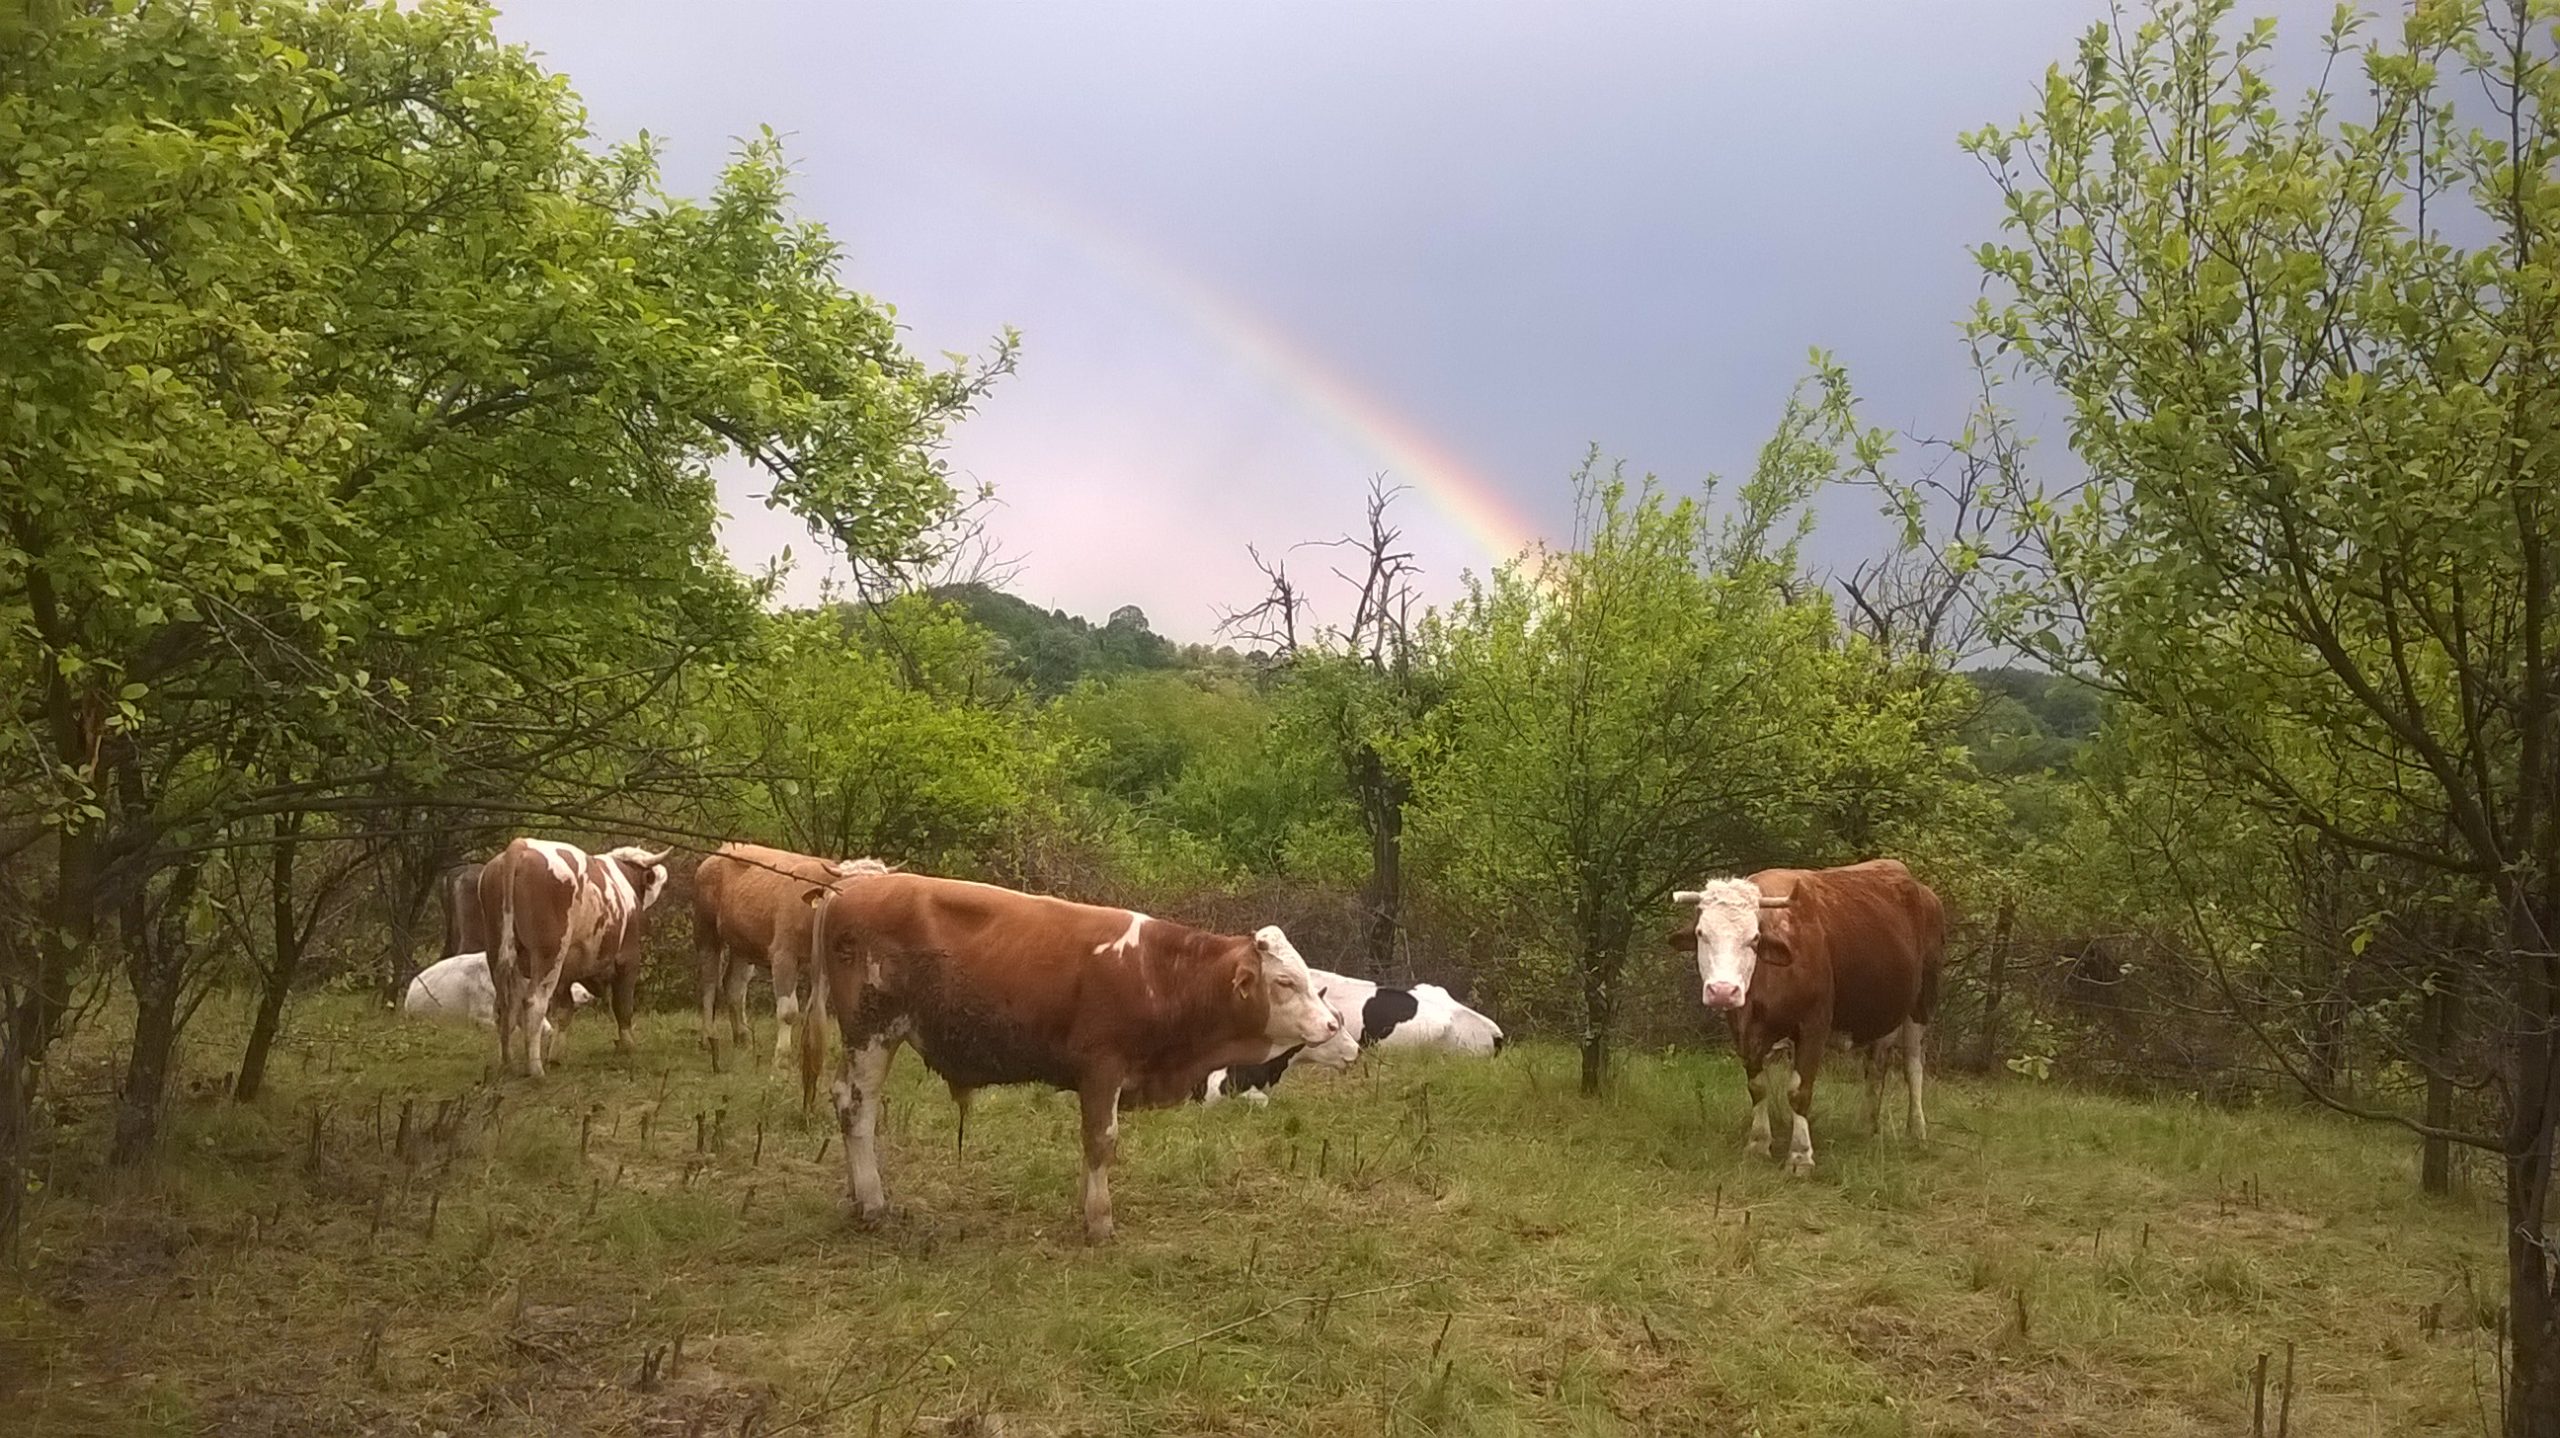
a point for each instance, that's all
(1806, 956)
(458, 897)
(998, 987)
(557, 915)
(750, 908)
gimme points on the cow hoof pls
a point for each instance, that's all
(1257, 1098)
(871, 1217)
(1758, 1149)
(1098, 1232)
(1800, 1164)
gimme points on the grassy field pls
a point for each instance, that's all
(639, 1246)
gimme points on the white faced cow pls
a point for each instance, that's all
(1373, 1016)
(996, 987)
(1803, 956)
(558, 915)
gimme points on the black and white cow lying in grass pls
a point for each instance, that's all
(1425, 1016)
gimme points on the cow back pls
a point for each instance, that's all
(1001, 987)
(1868, 936)
(753, 898)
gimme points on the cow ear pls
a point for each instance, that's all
(815, 896)
(1247, 977)
(1682, 938)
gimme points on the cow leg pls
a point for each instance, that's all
(626, 1001)
(786, 1010)
(859, 1082)
(1915, 1047)
(1100, 1102)
(1754, 1046)
(504, 1006)
(1876, 1055)
(708, 956)
(733, 996)
(535, 1009)
(1806, 1065)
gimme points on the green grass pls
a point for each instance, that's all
(1428, 1246)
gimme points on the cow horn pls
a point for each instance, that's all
(1688, 896)
(1778, 901)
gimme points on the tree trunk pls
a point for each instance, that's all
(416, 873)
(1995, 988)
(2439, 1021)
(1383, 805)
(284, 964)
(2533, 1268)
(157, 966)
(35, 1010)
(1599, 1015)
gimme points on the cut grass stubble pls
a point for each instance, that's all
(395, 1240)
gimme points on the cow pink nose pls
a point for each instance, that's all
(1724, 996)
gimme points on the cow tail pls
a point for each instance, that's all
(813, 1020)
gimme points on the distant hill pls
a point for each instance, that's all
(1049, 650)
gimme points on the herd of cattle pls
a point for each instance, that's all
(991, 986)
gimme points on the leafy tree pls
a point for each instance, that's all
(1624, 718)
(888, 735)
(360, 422)
(2310, 356)
(1203, 769)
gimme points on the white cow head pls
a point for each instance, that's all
(1443, 1022)
(1732, 939)
(1344, 996)
(646, 871)
(1297, 1015)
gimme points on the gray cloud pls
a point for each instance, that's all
(1513, 229)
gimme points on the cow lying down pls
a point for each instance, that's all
(1425, 1016)
(458, 990)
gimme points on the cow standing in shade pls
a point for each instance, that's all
(997, 987)
(458, 899)
(558, 915)
(1803, 956)
(748, 909)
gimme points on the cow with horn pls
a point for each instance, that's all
(1806, 956)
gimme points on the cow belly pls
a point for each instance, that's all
(1864, 1013)
(974, 1046)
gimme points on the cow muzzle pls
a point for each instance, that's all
(1724, 996)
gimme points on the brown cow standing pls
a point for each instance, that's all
(558, 915)
(749, 908)
(458, 895)
(996, 987)
(1804, 956)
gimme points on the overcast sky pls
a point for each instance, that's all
(1261, 252)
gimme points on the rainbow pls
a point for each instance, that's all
(1407, 455)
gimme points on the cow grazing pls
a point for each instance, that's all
(558, 915)
(749, 909)
(1373, 1016)
(997, 987)
(1804, 956)
(458, 990)
(458, 898)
